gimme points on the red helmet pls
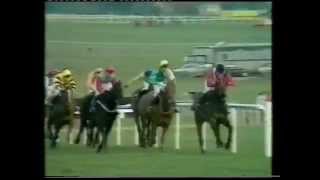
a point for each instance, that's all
(110, 70)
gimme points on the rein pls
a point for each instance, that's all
(106, 108)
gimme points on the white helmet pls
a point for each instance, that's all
(164, 62)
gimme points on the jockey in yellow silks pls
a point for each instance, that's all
(61, 81)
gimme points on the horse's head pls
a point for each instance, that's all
(117, 89)
(195, 96)
(110, 98)
(168, 95)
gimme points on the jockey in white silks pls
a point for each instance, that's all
(51, 90)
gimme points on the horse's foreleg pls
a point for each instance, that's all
(100, 132)
(153, 133)
(143, 132)
(227, 124)
(148, 133)
(90, 136)
(96, 139)
(218, 137)
(69, 134)
(216, 131)
(57, 128)
(49, 128)
(82, 126)
(199, 132)
(163, 133)
(107, 131)
(138, 124)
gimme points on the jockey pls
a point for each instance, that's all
(65, 80)
(61, 81)
(50, 89)
(105, 81)
(92, 80)
(217, 78)
(155, 79)
(50, 77)
(164, 66)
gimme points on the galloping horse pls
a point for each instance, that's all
(88, 119)
(149, 116)
(85, 116)
(214, 112)
(105, 115)
(60, 114)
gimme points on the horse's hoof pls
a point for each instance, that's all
(227, 146)
(77, 141)
(99, 149)
(53, 144)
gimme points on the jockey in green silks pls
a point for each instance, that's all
(155, 78)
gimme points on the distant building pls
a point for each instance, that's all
(209, 9)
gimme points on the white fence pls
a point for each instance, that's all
(267, 114)
(129, 19)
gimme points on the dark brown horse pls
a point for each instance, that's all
(59, 115)
(211, 107)
(149, 116)
(88, 119)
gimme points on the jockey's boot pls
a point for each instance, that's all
(92, 104)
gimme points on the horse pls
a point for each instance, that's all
(59, 115)
(88, 119)
(85, 116)
(149, 117)
(105, 115)
(214, 112)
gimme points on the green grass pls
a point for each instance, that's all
(129, 160)
(131, 59)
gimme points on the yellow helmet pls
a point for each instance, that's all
(66, 72)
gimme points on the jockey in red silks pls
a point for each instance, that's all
(104, 83)
(217, 78)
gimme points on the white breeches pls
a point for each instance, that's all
(145, 85)
(52, 92)
(157, 88)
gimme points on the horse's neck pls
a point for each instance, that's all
(171, 86)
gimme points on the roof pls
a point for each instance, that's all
(235, 45)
